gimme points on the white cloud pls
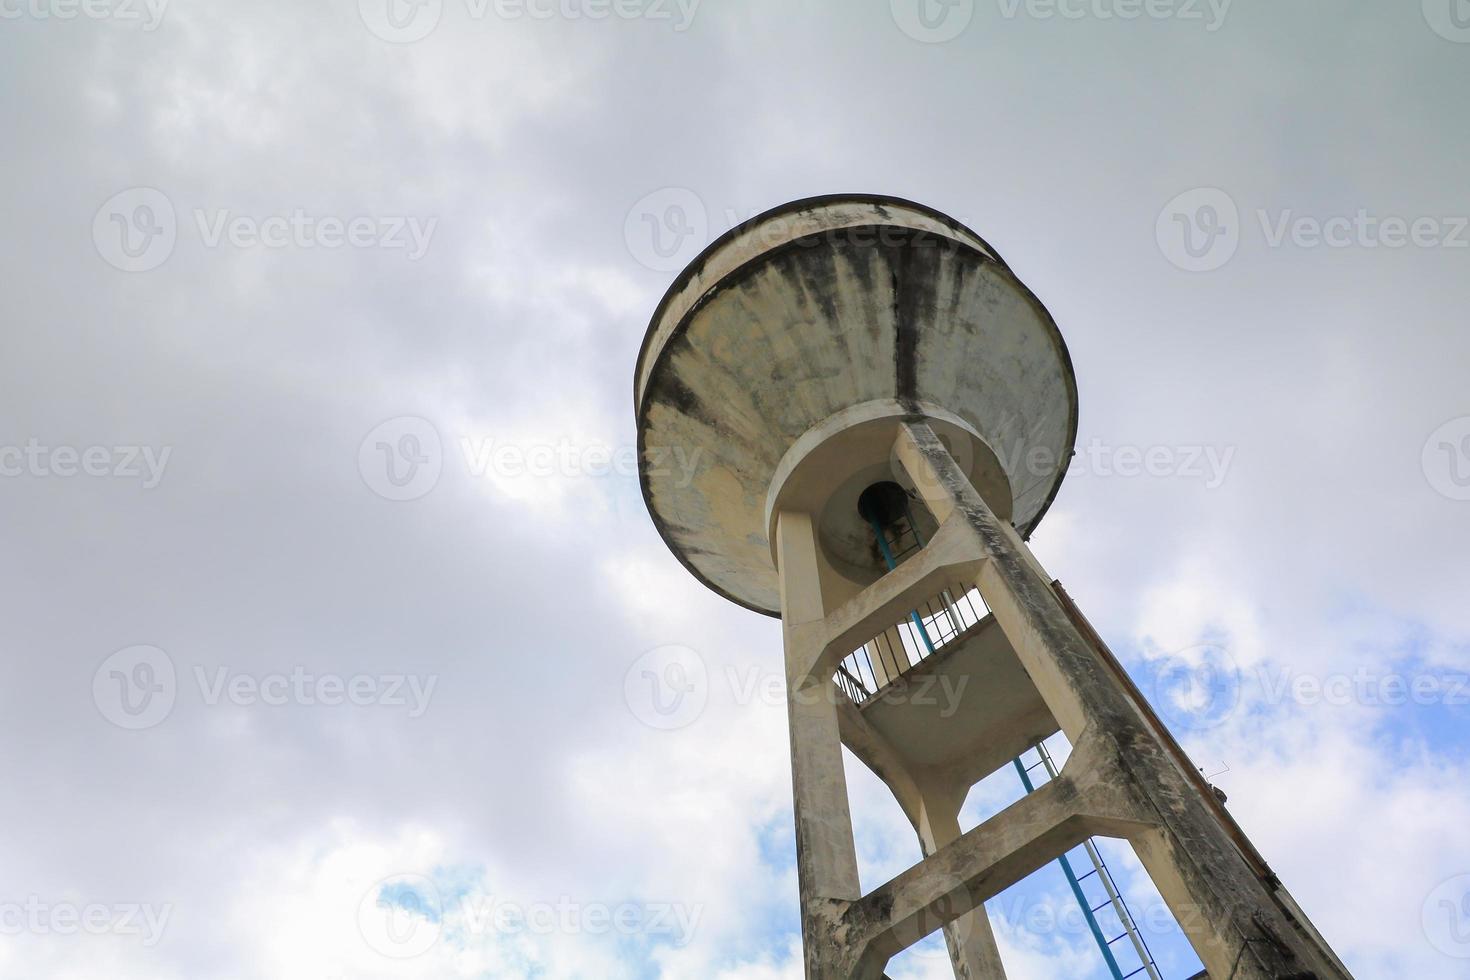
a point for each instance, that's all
(1325, 549)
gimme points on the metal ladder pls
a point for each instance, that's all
(1099, 867)
(1101, 872)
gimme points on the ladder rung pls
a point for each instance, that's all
(1117, 937)
(1137, 971)
(1102, 906)
(1086, 876)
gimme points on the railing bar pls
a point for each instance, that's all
(1132, 920)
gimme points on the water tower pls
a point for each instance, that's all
(883, 413)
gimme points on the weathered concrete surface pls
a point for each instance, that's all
(1125, 777)
(1238, 925)
(814, 308)
(949, 887)
(963, 712)
(826, 857)
(787, 345)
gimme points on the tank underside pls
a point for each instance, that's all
(807, 311)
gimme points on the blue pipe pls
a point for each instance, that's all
(888, 559)
(1077, 891)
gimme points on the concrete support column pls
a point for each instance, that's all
(826, 856)
(1237, 927)
(971, 941)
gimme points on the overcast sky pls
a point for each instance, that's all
(326, 582)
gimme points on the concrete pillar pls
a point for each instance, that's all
(1237, 927)
(971, 941)
(826, 856)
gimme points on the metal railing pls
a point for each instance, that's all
(938, 623)
(933, 626)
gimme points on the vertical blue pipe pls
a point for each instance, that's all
(1077, 891)
(888, 559)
